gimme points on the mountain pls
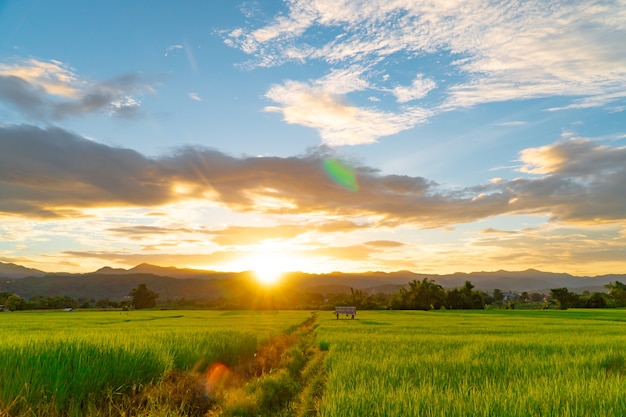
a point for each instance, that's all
(171, 271)
(17, 271)
(530, 280)
(116, 287)
(171, 282)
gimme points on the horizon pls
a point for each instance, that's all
(280, 136)
(283, 273)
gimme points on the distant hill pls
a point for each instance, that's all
(530, 280)
(180, 273)
(171, 282)
(16, 271)
(116, 287)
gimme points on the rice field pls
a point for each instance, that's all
(476, 363)
(63, 362)
(383, 363)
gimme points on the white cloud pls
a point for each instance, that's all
(126, 106)
(54, 77)
(172, 48)
(343, 81)
(594, 101)
(419, 88)
(499, 50)
(194, 96)
(338, 122)
(512, 123)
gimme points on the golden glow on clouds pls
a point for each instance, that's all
(202, 207)
(54, 77)
(338, 122)
(587, 250)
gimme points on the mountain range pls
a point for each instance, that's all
(172, 282)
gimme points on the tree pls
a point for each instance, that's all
(467, 289)
(15, 302)
(617, 292)
(103, 303)
(456, 299)
(4, 296)
(596, 300)
(421, 295)
(564, 297)
(357, 298)
(143, 297)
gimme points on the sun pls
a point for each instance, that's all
(268, 274)
(268, 269)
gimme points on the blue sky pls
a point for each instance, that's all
(481, 135)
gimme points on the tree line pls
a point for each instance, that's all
(428, 295)
(139, 297)
(417, 295)
(563, 298)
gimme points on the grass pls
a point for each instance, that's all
(384, 363)
(66, 363)
(509, 363)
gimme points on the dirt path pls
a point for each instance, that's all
(285, 377)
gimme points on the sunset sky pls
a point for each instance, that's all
(319, 135)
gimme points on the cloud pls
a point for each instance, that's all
(343, 81)
(194, 96)
(577, 157)
(491, 51)
(159, 258)
(241, 235)
(418, 89)
(513, 123)
(140, 231)
(53, 77)
(52, 91)
(384, 244)
(338, 122)
(23, 96)
(237, 235)
(591, 248)
(491, 230)
(48, 173)
(172, 48)
(248, 235)
(355, 252)
(599, 100)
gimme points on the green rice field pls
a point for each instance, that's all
(64, 361)
(476, 363)
(383, 363)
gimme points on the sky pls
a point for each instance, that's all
(433, 136)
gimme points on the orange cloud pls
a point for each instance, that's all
(47, 173)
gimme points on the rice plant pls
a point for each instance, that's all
(476, 364)
(64, 363)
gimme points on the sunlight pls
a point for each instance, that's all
(268, 267)
(268, 274)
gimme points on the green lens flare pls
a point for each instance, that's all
(341, 173)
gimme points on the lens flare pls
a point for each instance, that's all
(341, 173)
(218, 378)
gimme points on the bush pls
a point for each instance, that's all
(276, 390)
